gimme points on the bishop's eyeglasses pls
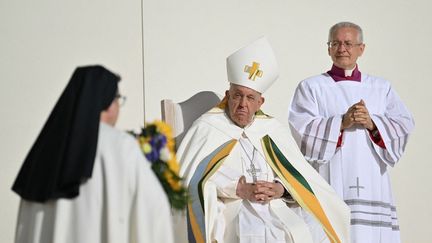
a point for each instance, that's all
(337, 44)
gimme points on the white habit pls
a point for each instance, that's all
(358, 169)
(122, 202)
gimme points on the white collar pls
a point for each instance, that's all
(348, 73)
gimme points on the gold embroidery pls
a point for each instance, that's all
(253, 71)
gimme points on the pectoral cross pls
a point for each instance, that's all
(253, 171)
(253, 71)
(358, 187)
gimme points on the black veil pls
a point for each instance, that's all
(64, 152)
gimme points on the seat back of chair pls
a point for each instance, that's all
(180, 116)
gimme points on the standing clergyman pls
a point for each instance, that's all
(352, 127)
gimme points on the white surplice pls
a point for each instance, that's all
(123, 202)
(230, 219)
(358, 169)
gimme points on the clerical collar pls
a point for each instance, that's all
(339, 74)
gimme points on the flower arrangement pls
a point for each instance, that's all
(158, 145)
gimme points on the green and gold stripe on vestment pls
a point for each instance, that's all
(297, 185)
(195, 211)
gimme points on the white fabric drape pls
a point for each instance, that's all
(122, 202)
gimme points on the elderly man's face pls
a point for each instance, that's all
(346, 48)
(243, 102)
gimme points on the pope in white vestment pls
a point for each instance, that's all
(354, 159)
(116, 204)
(221, 152)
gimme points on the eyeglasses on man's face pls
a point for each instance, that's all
(121, 99)
(336, 44)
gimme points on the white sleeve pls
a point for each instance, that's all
(226, 181)
(395, 126)
(315, 135)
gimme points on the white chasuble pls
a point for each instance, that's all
(255, 221)
(358, 169)
(215, 153)
(123, 202)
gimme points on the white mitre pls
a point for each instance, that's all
(253, 66)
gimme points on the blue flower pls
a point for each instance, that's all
(157, 142)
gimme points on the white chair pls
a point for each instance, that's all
(180, 116)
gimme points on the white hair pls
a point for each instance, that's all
(339, 25)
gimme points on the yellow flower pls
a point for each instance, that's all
(173, 164)
(146, 148)
(164, 128)
(171, 144)
(142, 140)
(174, 184)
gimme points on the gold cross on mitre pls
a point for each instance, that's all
(253, 71)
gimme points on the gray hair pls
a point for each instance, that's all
(339, 25)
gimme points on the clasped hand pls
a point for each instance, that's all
(261, 191)
(357, 114)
